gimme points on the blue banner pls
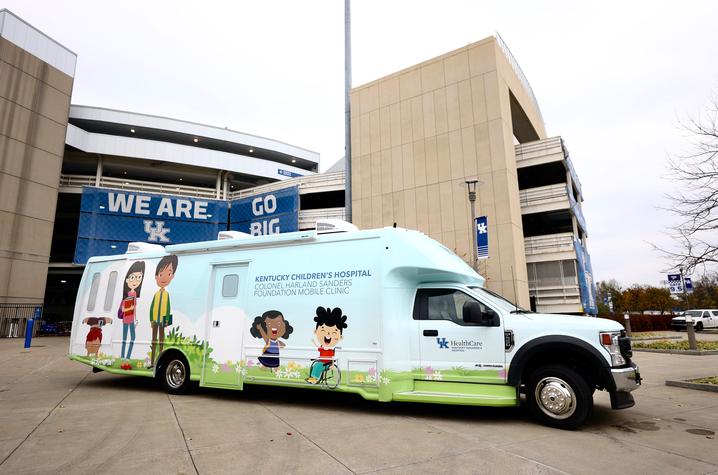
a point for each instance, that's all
(482, 237)
(586, 284)
(269, 213)
(689, 284)
(110, 219)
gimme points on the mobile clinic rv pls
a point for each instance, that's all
(389, 314)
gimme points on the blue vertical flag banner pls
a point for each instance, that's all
(675, 284)
(586, 283)
(689, 284)
(110, 219)
(482, 237)
(269, 213)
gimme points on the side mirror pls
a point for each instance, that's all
(473, 314)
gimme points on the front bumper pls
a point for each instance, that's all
(625, 380)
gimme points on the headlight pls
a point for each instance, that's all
(609, 340)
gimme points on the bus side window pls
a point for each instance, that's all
(109, 295)
(95, 286)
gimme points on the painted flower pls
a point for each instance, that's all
(148, 362)
(371, 379)
(359, 378)
(502, 373)
(385, 380)
(250, 363)
(293, 366)
(243, 372)
(429, 371)
(437, 376)
(226, 368)
(215, 368)
(372, 372)
(140, 365)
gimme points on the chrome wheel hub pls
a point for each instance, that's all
(175, 374)
(555, 398)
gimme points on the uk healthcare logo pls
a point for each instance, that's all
(443, 343)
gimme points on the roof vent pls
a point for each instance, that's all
(138, 247)
(326, 226)
(232, 235)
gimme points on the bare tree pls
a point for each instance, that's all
(697, 204)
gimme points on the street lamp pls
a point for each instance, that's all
(471, 186)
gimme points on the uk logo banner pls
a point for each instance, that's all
(482, 237)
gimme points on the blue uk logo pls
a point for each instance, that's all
(442, 342)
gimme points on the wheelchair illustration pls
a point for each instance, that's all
(331, 375)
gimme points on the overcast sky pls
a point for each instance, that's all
(614, 79)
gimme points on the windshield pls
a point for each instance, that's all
(694, 313)
(505, 304)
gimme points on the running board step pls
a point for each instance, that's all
(460, 393)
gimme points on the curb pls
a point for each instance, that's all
(698, 386)
(657, 338)
(679, 352)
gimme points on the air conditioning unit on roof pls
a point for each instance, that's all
(232, 235)
(329, 225)
(139, 247)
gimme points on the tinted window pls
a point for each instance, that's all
(230, 284)
(443, 304)
(93, 291)
(110, 294)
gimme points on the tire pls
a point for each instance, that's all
(173, 373)
(333, 377)
(559, 397)
(699, 326)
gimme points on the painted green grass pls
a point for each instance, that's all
(708, 380)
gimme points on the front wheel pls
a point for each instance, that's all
(174, 375)
(699, 326)
(559, 397)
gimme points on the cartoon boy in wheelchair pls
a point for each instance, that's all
(327, 335)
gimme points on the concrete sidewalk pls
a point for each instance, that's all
(56, 416)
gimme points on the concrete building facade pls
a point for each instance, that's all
(420, 133)
(36, 77)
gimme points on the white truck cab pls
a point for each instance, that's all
(388, 314)
(701, 318)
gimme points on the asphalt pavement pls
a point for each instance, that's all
(56, 416)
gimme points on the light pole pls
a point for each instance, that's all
(471, 188)
(689, 320)
(347, 112)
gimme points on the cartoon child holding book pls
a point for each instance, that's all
(131, 289)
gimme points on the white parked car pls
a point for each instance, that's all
(702, 318)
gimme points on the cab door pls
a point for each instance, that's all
(451, 349)
(223, 349)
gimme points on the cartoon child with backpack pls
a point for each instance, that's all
(160, 309)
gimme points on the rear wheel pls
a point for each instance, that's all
(173, 373)
(699, 326)
(559, 397)
(333, 377)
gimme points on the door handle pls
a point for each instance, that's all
(431, 332)
(215, 323)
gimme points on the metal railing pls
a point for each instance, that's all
(519, 73)
(14, 317)
(560, 242)
(78, 181)
(557, 193)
